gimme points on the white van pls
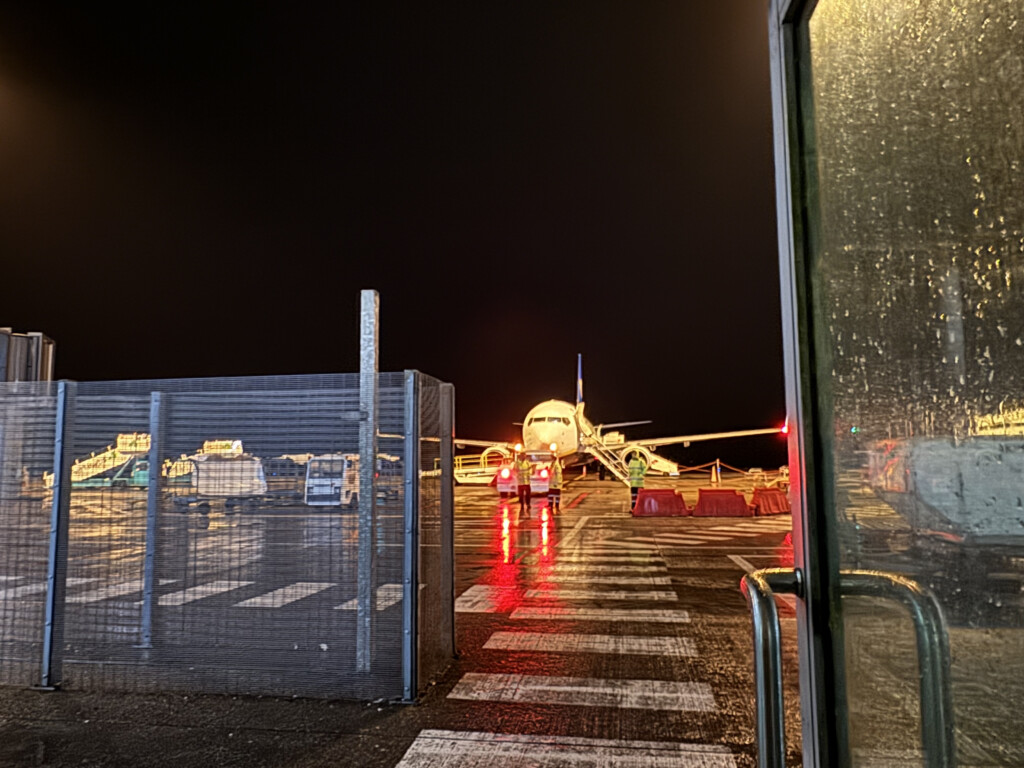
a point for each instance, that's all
(232, 477)
(332, 480)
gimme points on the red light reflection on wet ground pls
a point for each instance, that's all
(526, 551)
(784, 552)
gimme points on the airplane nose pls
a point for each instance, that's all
(544, 434)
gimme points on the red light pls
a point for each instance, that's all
(544, 474)
(785, 428)
(505, 474)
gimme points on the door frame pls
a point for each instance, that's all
(815, 541)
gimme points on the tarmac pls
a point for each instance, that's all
(587, 637)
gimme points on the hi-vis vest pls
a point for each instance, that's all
(556, 475)
(524, 470)
(637, 469)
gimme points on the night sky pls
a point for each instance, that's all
(202, 190)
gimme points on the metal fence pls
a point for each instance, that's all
(211, 535)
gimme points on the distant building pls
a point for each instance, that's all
(26, 356)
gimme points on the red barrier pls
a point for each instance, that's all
(770, 501)
(721, 502)
(660, 502)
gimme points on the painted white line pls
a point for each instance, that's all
(592, 579)
(583, 691)
(285, 595)
(475, 749)
(749, 567)
(199, 592)
(639, 559)
(667, 539)
(548, 642)
(387, 595)
(617, 545)
(681, 540)
(743, 563)
(573, 613)
(104, 593)
(5, 579)
(592, 594)
(611, 555)
(15, 593)
(710, 536)
(574, 532)
(485, 598)
(608, 569)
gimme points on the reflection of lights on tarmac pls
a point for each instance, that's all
(506, 545)
(784, 552)
(544, 561)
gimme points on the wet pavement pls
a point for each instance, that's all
(586, 637)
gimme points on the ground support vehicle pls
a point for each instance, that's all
(134, 473)
(231, 481)
(332, 480)
(506, 479)
(960, 503)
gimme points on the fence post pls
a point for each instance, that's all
(152, 507)
(447, 590)
(411, 539)
(57, 563)
(368, 400)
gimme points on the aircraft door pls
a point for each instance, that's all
(900, 163)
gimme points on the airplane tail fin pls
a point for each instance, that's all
(579, 378)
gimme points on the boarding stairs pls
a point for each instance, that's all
(595, 447)
(128, 446)
(592, 443)
(480, 469)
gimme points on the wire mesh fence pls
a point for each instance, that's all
(204, 535)
(27, 417)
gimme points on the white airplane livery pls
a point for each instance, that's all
(561, 427)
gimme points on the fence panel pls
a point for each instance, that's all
(27, 427)
(212, 537)
(435, 591)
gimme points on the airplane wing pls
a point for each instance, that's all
(479, 443)
(686, 439)
(622, 424)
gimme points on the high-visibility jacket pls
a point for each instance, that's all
(637, 470)
(556, 475)
(524, 471)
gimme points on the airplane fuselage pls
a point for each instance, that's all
(553, 421)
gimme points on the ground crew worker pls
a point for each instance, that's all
(524, 471)
(555, 486)
(637, 470)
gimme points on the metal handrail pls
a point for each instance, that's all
(933, 656)
(759, 588)
(933, 659)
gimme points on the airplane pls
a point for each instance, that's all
(563, 428)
